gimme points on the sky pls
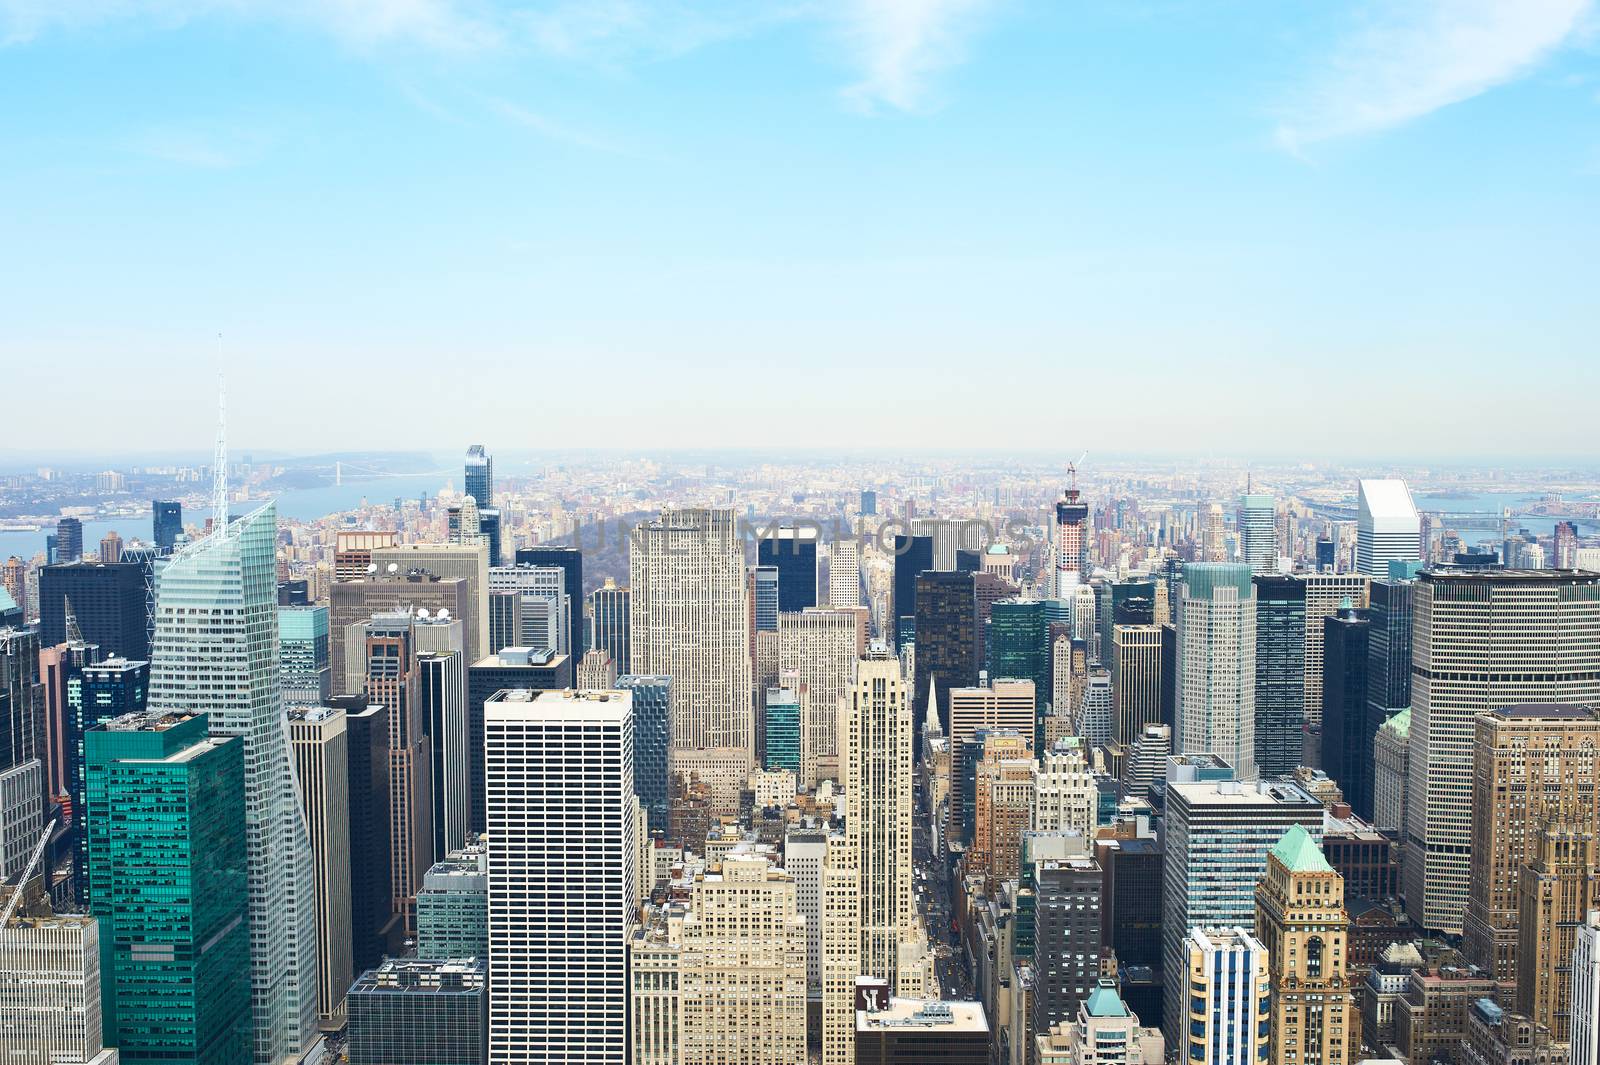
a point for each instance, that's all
(1197, 226)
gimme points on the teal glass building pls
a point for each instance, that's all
(783, 729)
(167, 880)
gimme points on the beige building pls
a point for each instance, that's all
(1106, 1032)
(1560, 887)
(1481, 640)
(470, 562)
(844, 574)
(819, 647)
(596, 671)
(1003, 796)
(1004, 704)
(840, 949)
(1229, 988)
(50, 991)
(1325, 595)
(352, 602)
(1532, 764)
(1301, 920)
(689, 618)
(1065, 795)
(352, 551)
(318, 746)
(1391, 751)
(1135, 661)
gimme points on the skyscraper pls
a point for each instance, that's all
(794, 552)
(470, 562)
(1326, 595)
(480, 476)
(781, 723)
(1388, 527)
(304, 648)
(1019, 645)
(912, 555)
(371, 906)
(844, 574)
(1071, 541)
(819, 647)
(1229, 991)
(1068, 937)
(569, 560)
(652, 742)
(96, 694)
(1280, 673)
(420, 1011)
(764, 598)
(1481, 639)
(608, 622)
(531, 606)
(50, 989)
(1301, 920)
(1135, 660)
(512, 669)
(1216, 665)
(558, 990)
(108, 601)
(69, 540)
(167, 806)
(1347, 733)
(353, 602)
(1560, 885)
(1534, 765)
(690, 620)
(166, 523)
(216, 652)
(949, 641)
(1258, 533)
(319, 744)
(1585, 1031)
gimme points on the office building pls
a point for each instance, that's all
(1216, 665)
(1004, 705)
(1067, 937)
(558, 992)
(21, 815)
(50, 990)
(1535, 765)
(1559, 886)
(1105, 1032)
(532, 606)
(511, 669)
(819, 648)
(1388, 648)
(69, 541)
(1135, 661)
(23, 733)
(569, 560)
(1146, 761)
(844, 574)
(353, 602)
(913, 555)
(215, 597)
(1258, 533)
(1228, 998)
(1301, 920)
(167, 805)
(690, 620)
(1347, 732)
(420, 1011)
(442, 698)
(1280, 673)
(793, 552)
(479, 481)
(1585, 1001)
(1002, 806)
(453, 905)
(1388, 527)
(470, 562)
(608, 623)
(372, 916)
(303, 655)
(1459, 672)
(1391, 757)
(781, 722)
(904, 1031)
(14, 583)
(1019, 643)
(652, 743)
(597, 670)
(352, 551)
(1065, 794)
(166, 523)
(1130, 901)
(1216, 837)
(107, 601)
(840, 949)
(949, 639)
(319, 744)
(1326, 595)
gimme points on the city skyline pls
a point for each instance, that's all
(1188, 194)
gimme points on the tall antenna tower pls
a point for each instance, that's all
(219, 460)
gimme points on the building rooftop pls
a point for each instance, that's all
(916, 1013)
(1386, 499)
(1545, 711)
(1240, 793)
(571, 704)
(1299, 853)
(1546, 576)
(1104, 1001)
(148, 721)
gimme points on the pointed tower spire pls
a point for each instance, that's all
(219, 460)
(932, 726)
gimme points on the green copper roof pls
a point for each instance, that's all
(1105, 1002)
(1400, 724)
(1299, 852)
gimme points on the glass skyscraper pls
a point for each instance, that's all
(652, 738)
(764, 593)
(95, 694)
(303, 654)
(608, 623)
(782, 725)
(167, 869)
(216, 652)
(1280, 674)
(1019, 649)
(166, 523)
(794, 553)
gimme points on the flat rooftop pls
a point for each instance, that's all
(914, 1013)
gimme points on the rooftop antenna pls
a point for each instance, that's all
(219, 460)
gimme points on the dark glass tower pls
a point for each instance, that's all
(794, 553)
(1280, 674)
(1388, 650)
(480, 476)
(947, 638)
(1124, 603)
(1346, 740)
(371, 903)
(69, 540)
(608, 623)
(166, 523)
(569, 560)
(1068, 938)
(912, 555)
(108, 600)
(96, 694)
(652, 738)
(1019, 649)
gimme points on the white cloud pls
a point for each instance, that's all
(1409, 58)
(901, 44)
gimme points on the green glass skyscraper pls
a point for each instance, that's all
(166, 860)
(1019, 649)
(216, 652)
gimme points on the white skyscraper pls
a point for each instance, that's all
(562, 870)
(1258, 533)
(50, 991)
(844, 575)
(1217, 664)
(1388, 527)
(819, 647)
(216, 652)
(690, 620)
(1072, 541)
(1586, 993)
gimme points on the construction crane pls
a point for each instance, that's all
(27, 874)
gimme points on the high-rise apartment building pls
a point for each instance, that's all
(608, 623)
(819, 647)
(1071, 542)
(1228, 997)
(480, 476)
(844, 574)
(1216, 837)
(216, 652)
(1258, 533)
(558, 989)
(1216, 665)
(1388, 527)
(319, 744)
(1534, 766)
(167, 805)
(690, 620)
(1301, 920)
(1482, 639)
(793, 552)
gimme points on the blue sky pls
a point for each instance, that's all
(1281, 226)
